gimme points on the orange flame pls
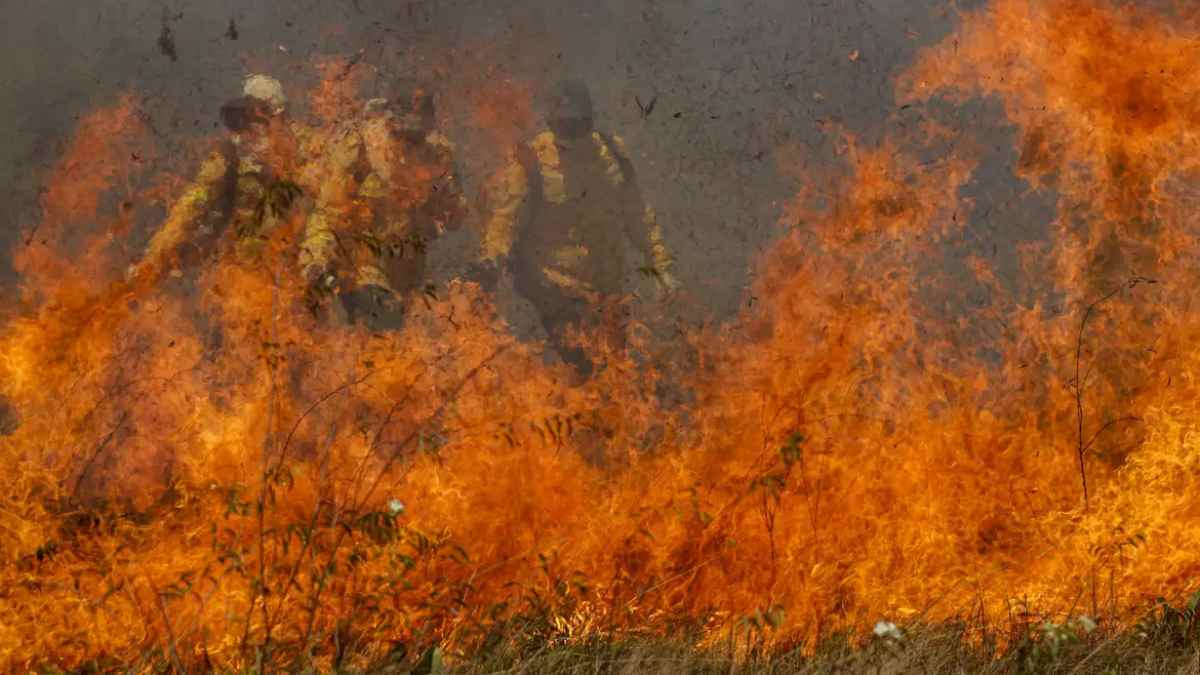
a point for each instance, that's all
(203, 473)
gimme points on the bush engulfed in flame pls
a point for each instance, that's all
(215, 477)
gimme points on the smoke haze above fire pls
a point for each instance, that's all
(751, 82)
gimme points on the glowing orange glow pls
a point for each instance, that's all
(201, 465)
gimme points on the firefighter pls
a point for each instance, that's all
(390, 188)
(239, 184)
(560, 216)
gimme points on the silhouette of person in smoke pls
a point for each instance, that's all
(390, 189)
(560, 216)
(238, 184)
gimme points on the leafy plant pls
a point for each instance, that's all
(277, 199)
(1176, 625)
(1046, 648)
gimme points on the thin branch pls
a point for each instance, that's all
(1108, 425)
(87, 467)
(1081, 448)
(359, 503)
(170, 633)
(452, 396)
(312, 408)
(272, 423)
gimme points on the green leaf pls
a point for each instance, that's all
(775, 616)
(430, 663)
(790, 453)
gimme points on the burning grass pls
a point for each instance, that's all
(205, 475)
(1163, 643)
(937, 650)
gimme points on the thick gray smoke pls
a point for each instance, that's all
(706, 92)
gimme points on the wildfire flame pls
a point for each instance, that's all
(201, 467)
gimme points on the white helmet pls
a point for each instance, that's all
(266, 88)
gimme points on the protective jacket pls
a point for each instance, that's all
(383, 198)
(563, 211)
(231, 188)
(561, 215)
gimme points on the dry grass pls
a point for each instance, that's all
(935, 650)
(1167, 640)
(931, 650)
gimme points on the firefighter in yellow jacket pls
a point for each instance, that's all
(389, 188)
(561, 214)
(240, 184)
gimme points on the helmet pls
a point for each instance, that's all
(570, 108)
(262, 98)
(267, 89)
